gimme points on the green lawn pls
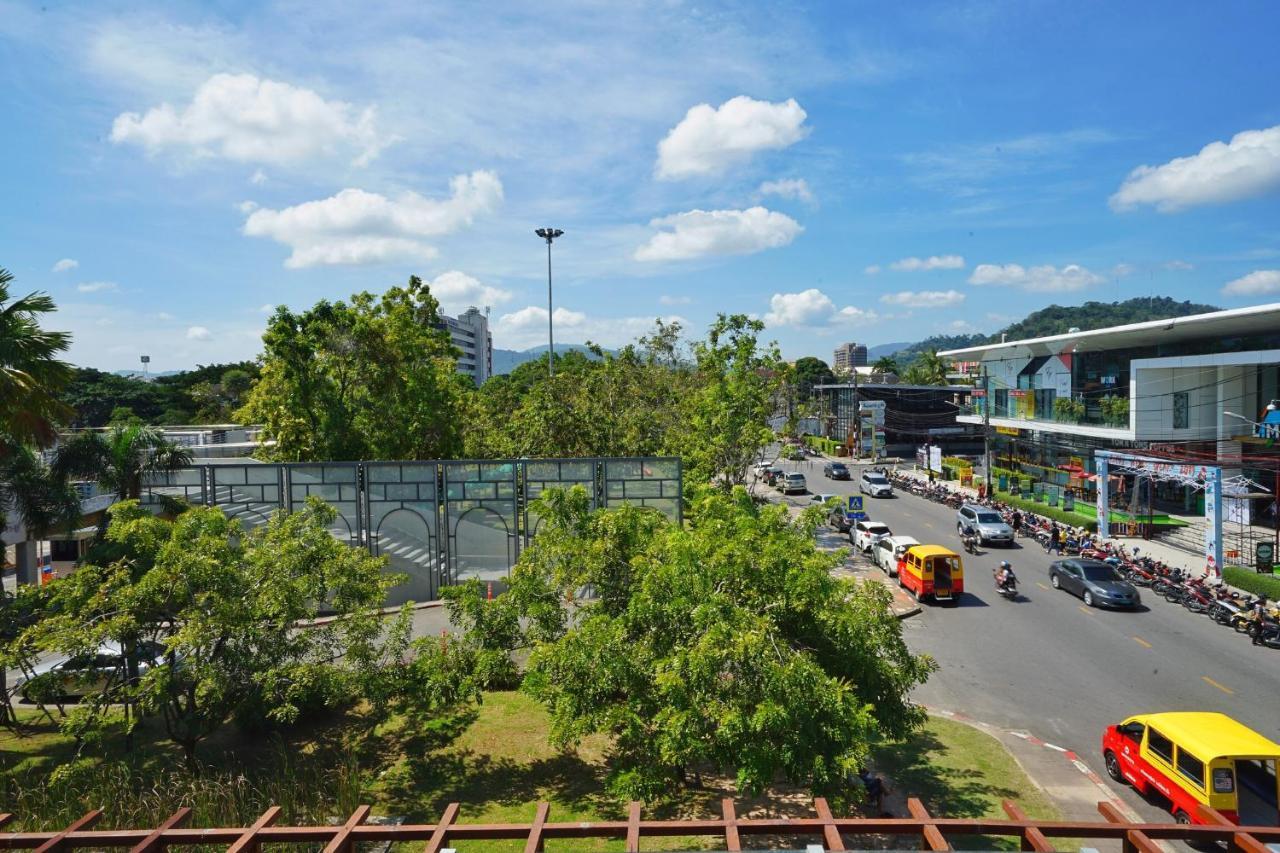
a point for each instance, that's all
(495, 762)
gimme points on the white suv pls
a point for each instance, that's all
(875, 484)
(792, 481)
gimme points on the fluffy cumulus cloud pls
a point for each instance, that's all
(923, 298)
(1247, 166)
(1044, 278)
(198, 333)
(710, 139)
(1255, 283)
(359, 227)
(699, 233)
(811, 308)
(527, 327)
(97, 286)
(66, 264)
(248, 119)
(792, 188)
(457, 291)
(933, 262)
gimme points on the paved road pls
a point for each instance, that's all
(1049, 665)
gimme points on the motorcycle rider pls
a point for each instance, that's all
(1005, 576)
(1256, 616)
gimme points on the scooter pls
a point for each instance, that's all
(1265, 632)
(1008, 589)
(970, 542)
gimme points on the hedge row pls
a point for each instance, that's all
(1251, 581)
(1058, 514)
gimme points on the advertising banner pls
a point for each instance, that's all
(1212, 525)
(1104, 517)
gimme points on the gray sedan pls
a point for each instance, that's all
(1094, 581)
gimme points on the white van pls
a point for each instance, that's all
(889, 550)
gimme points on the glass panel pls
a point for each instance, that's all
(406, 537)
(482, 539)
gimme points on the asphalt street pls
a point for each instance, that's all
(1050, 666)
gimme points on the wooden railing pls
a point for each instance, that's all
(928, 832)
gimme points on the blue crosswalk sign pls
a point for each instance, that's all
(855, 503)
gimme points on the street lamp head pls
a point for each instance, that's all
(548, 234)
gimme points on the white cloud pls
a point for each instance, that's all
(1040, 279)
(164, 315)
(66, 264)
(1247, 166)
(244, 118)
(961, 327)
(1254, 284)
(1178, 266)
(268, 308)
(674, 300)
(933, 262)
(359, 227)
(528, 328)
(698, 233)
(708, 139)
(258, 178)
(457, 291)
(923, 298)
(793, 188)
(1121, 270)
(872, 269)
(198, 333)
(97, 286)
(810, 308)
(247, 207)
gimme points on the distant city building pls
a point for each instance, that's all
(849, 356)
(470, 333)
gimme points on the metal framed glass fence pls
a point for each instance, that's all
(437, 522)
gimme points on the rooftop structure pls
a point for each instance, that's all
(848, 356)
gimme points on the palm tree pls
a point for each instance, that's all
(885, 364)
(30, 372)
(119, 458)
(933, 370)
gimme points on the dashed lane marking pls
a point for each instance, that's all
(1142, 642)
(1042, 586)
(1209, 681)
(1084, 609)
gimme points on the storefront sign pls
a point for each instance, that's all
(1008, 430)
(1069, 501)
(1264, 557)
(1212, 526)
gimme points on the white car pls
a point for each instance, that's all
(865, 534)
(875, 484)
(792, 482)
(889, 551)
(821, 499)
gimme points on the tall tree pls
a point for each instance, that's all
(808, 372)
(928, 369)
(31, 374)
(119, 458)
(373, 379)
(885, 364)
(723, 644)
(726, 414)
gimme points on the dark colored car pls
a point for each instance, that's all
(1094, 581)
(835, 471)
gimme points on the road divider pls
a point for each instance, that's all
(1142, 642)
(1209, 681)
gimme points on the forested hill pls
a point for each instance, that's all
(1058, 319)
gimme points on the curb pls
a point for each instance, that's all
(1068, 755)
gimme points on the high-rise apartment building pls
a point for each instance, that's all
(848, 356)
(470, 333)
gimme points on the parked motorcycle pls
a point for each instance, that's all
(1265, 632)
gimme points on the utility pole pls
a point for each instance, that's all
(857, 415)
(986, 427)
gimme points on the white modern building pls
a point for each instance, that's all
(470, 334)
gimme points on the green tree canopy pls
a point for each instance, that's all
(808, 372)
(119, 458)
(723, 644)
(31, 374)
(234, 612)
(373, 379)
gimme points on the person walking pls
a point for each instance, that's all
(1016, 523)
(1055, 539)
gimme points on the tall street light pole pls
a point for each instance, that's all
(549, 234)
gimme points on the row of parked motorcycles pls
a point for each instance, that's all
(1246, 614)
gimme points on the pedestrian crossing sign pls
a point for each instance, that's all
(855, 503)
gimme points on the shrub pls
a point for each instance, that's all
(1068, 410)
(1115, 410)
(1056, 513)
(1251, 581)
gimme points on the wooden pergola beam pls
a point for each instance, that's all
(85, 821)
(441, 832)
(732, 842)
(248, 840)
(931, 836)
(1032, 838)
(156, 842)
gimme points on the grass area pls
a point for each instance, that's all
(494, 761)
(1251, 581)
(959, 771)
(1075, 518)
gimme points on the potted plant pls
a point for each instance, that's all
(1068, 410)
(1115, 410)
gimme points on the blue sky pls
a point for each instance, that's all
(845, 171)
